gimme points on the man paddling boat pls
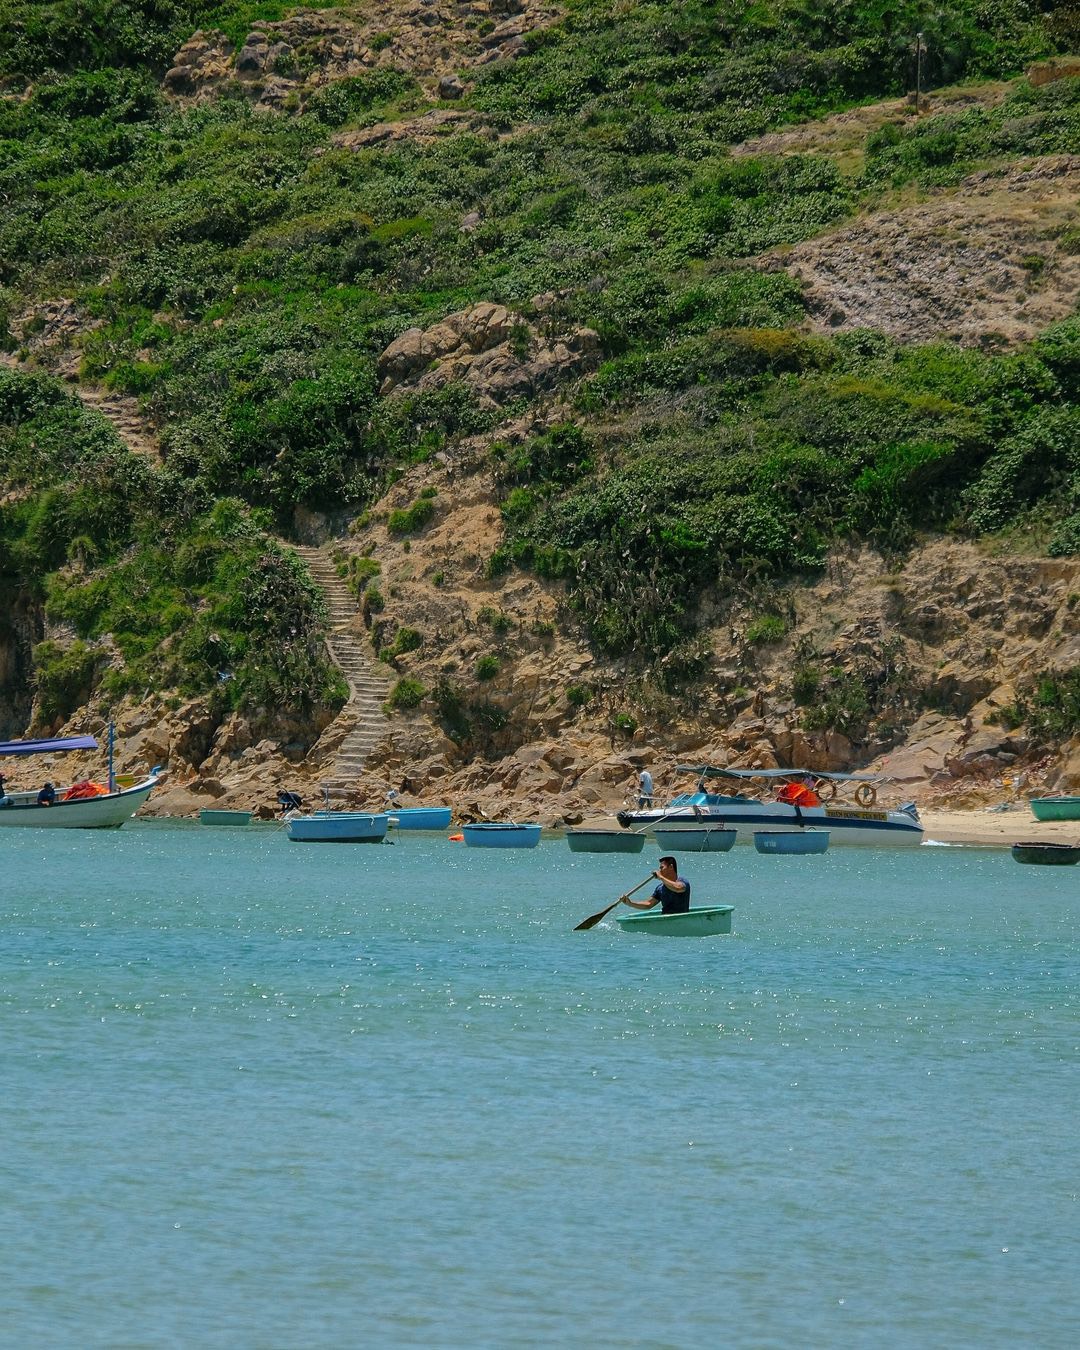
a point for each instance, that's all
(672, 893)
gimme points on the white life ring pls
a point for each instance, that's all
(866, 794)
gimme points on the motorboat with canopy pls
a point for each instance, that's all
(85, 805)
(785, 799)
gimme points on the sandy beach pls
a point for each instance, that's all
(991, 828)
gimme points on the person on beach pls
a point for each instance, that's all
(645, 790)
(672, 894)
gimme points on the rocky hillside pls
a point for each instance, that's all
(607, 385)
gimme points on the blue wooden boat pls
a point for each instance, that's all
(791, 841)
(1046, 855)
(338, 827)
(708, 839)
(706, 921)
(420, 817)
(604, 841)
(501, 834)
(210, 817)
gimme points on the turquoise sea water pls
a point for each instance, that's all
(254, 1093)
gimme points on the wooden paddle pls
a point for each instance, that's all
(594, 919)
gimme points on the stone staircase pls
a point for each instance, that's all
(362, 718)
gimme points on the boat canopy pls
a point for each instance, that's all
(712, 771)
(47, 747)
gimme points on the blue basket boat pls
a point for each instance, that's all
(338, 827)
(420, 817)
(1046, 855)
(210, 817)
(791, 841)
(707, 921)
(707, 839)
(500, 834)
(604, 841)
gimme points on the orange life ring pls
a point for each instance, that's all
(866, 794)
(826, 789)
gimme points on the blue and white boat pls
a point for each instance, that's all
(860, 822)
(501, 834)
(338, 827)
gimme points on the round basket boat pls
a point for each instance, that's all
(791, 841)
(501, 834)
(604, 841)
(1055, 808)
(706, 921)
(211, 817)
(1052, 855)
(706, 839)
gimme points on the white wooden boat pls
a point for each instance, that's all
(107, 809)
(860, 821)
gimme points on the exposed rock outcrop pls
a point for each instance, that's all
(282, 64)
(496, 352)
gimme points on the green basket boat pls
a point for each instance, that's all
(1052, 855)
(706, 921)
(209, 817)
(1055, 808)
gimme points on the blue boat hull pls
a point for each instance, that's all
(791, 841)
(711, 839)
(604, 841)
(496, 835)
(421, 817)
(338, 827)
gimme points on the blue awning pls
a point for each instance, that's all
(47, 747)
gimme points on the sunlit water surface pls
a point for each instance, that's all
(255, 1093)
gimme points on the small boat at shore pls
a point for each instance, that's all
(791, 841)
(81, 806)
(604, 841)
(208, 816)
(704, 921)
(709, 839)
(1051, 855)
(1055, 808)
(501, 834)
(338, 827)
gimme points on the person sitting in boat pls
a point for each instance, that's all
(672, 894)
(47, 795)
(799, 794)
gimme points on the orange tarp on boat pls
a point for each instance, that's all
(85, 789)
